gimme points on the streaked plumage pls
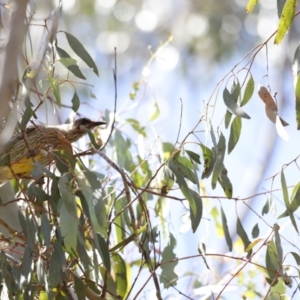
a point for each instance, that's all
(17, 160)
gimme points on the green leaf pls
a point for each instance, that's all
(102, 248)
(124, 156)
(28, 113)
(120, 275)
(193, 156)
(286, 19)
(284, 190)
(266, 208)
(75, 102)
(228, 116)
(155, 112)
(72, 68)
(94, 207)
(232, 106)
(54, 86)
(236, 90)
(78, 48)
(220, 152)
(92, 178)
(168, 276)
(35, 191)
(196, 217)
(45, 230)
(272, 264)
(93, 140)
(125, 241)
(225, 183)
(26, 268)
(69, 228)
(297, 94)
(136, 87)
(248, 91)
(293, 205)
(280, 5)
(202, 251)
(296, 257)
(226, 230)
(67, 198)
(55, 274)
(243, 235)
(185, 171)
(255, 231)
(184, 187)
(67, 61)
(209, 161)
(278, 243)
(235, 132)
(79, 288)
(137, 126)
(251, 4)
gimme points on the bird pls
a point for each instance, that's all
(37, 145)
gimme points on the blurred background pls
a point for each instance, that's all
(203, 41)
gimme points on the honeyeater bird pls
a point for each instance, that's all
(20, 154)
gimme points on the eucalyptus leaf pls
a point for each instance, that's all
(232, 106)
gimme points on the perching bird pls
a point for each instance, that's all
(20, 155)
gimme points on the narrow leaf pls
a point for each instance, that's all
(251, 4)
(243, 235)
(69, 228)
(120, 274)
(284, 190)
(297, 94)
(79, 288)
(232, 106)
(225, 182)
(278, 243)
(280, 5)
(155, 112)
(75, 102)
(220, 150)
(266, 208)
(255, 231)
(67, 62)
(185, 171)
(72, 68)
(193, 156)
(228, 116)
(168, 276)
(209, 161)
(248, 91)
(226, 230)
(53, 83)
(271, 264)
(196, 217)
(296, 257)
(78, 48)
(286, 19)
(235, 132)
(252, 245)
(202, 251)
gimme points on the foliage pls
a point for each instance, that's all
(101, 228)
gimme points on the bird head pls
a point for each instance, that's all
(85, 124)
(80, 127)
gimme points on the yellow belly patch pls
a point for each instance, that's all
(22, 168)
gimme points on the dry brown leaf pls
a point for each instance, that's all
(266, 97)
(271, 106)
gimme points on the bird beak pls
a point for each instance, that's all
(95, 124)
